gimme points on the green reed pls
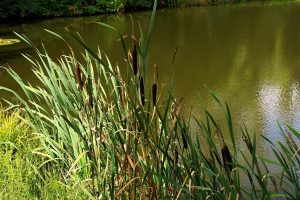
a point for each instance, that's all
(115, 138)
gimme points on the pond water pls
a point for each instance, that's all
(249, 55)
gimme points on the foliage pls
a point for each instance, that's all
(45, 8)
(22, 8)
(139, 3)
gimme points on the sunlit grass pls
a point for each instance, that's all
(19, 168)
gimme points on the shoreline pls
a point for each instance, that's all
(13, 20)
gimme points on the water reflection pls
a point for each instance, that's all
(279, 104)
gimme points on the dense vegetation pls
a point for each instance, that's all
(89, 131)
(45, 8)
(53, 8)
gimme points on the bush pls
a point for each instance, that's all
(110, 5)
(139, 4)
(24, 8)
(44, 8)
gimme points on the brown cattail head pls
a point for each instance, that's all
(183, 135)
(78, 77)
(134, 60)
(154, 93)
(89, 91)
(227, 158)
(175, 154)
(142, 90)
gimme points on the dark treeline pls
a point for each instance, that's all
(55, 8)
(48, 8)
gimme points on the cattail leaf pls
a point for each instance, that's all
(294, 131)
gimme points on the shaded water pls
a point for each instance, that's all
(249, 55)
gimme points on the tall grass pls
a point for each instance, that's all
(112, 135)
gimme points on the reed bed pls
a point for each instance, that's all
(114, 137)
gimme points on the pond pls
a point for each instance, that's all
(249, 55)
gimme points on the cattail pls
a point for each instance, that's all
(185, 145)
(154, 92)
(134, 60)
(78, 77)
(227, 159)
(175, 156)
(154, 86)
(89, 93)
(142, 90)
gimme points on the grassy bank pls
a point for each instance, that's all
(103, 134)
(22, 172)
